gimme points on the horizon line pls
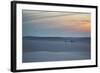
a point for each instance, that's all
(50, 36)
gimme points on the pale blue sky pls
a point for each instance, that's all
(55, 24)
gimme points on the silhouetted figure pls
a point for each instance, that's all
(68, 41)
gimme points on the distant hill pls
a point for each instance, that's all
(55, 38)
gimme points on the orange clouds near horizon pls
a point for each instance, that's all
(78, 22)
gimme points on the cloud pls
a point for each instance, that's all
(56, 23)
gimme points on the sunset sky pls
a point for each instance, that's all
(56, 24)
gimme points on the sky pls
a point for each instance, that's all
(56, 24)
